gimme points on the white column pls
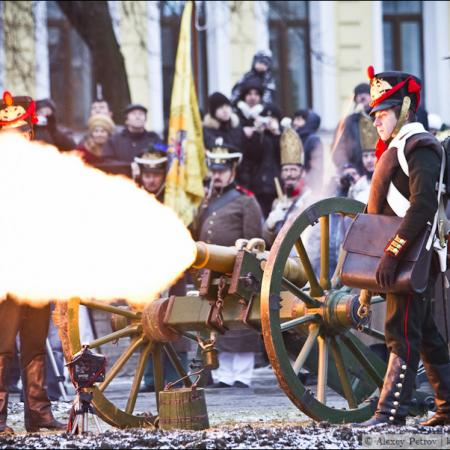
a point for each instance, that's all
(377, 36)
(323, 62)
(114, 12)
(154, 53)
(2, 51)
(435, 48)
(218, 47)
(42, 64)
(262, 40)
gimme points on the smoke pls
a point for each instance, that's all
(69, 230)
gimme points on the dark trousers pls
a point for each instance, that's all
(411, 331)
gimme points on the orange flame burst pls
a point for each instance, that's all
(70, 230)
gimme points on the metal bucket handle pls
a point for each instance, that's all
(170, 385)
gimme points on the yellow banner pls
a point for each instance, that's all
(187, 168)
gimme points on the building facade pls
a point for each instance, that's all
(320, 48)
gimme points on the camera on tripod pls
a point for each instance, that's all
(86, 369)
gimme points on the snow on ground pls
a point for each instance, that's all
(260, 434)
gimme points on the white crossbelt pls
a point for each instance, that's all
(400, 204)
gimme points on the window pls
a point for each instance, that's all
(289, 42)
(171, 12)
(70, 70)
(403, 36)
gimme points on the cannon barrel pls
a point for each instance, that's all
(221, 259)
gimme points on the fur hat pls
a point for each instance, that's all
(271, 110)
(216, 101)
(252, 83)
(263, 56)
(361, 88)
(100, 120)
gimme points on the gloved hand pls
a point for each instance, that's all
(277, 215)
(386, 271)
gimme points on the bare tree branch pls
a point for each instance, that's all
(93, 23)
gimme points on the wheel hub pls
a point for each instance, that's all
(153, 318)
(339, 312)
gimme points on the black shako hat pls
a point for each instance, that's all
(388, 89)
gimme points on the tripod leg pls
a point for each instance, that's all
(55, 369)
(75, 424)
(97, 423)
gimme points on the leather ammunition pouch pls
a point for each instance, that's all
(364, 244)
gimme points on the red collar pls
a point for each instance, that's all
(380, 148)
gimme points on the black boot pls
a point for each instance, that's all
(5, 363)
(38, 409)
(439, 378)
(395, 396)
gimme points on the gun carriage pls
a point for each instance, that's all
(307, 322)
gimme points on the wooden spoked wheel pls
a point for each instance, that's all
(110, 407)
(321, 336)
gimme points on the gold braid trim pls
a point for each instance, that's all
(396, 246)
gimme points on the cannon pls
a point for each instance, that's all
(307, 322)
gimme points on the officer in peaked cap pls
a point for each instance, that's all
(404, 184)
(149, 171)
(229, 213)
(150, 168)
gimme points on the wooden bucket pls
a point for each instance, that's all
(183, 408)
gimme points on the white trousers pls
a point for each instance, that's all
(234, 367)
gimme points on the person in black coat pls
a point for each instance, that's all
(250, 104)
(262, 71)
(221, 121)
(306, 123)
(346, 147)
(133, 140)
(404, 185)
(261, 161)
(47, 128)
